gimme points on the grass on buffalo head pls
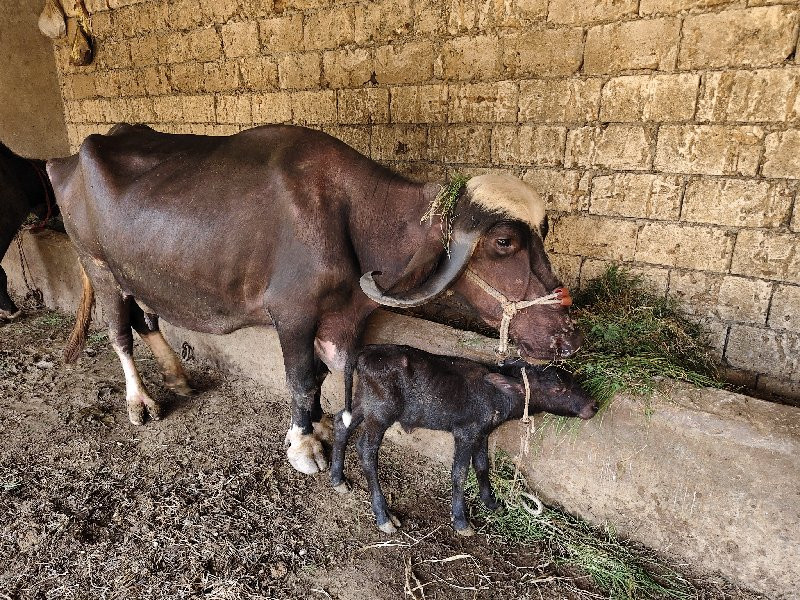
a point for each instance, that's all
(633, 337)
(618, 569)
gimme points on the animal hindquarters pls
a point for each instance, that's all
(118, 309)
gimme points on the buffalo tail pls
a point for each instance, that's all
(77, 339)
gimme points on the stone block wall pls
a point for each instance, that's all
(665, 134)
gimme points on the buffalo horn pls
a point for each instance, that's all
(462, 245)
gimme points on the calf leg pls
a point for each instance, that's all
(342, 434)
(368, 445)
(480, 462)
(463, 452)
(8, 310)
(146, 325)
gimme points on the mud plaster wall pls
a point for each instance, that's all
(664, 134)
(31, 115)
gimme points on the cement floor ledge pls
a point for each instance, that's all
(708, 476)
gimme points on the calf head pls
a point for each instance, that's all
(498, 230)
(553, 390)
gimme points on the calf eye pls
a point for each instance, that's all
(504, 242)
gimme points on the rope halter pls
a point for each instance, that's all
(510, 308)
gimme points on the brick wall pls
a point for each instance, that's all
(665, 134)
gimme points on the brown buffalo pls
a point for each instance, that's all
(275, 226)
(24, 189)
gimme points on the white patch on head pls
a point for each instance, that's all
(509, 196)
(330, 355)
(304, 451)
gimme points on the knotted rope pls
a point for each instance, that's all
(521, 498)
(510, 308)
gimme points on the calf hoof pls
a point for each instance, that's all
(465, 531)
(492, 504)
(391, 525)
(323, 430)
(343, 487)
(6, 315)
(305, 452)
(388, 527)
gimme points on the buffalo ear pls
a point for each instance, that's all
(507, 385)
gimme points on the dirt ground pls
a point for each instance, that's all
(204, 505)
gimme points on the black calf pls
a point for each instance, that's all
(418, 389)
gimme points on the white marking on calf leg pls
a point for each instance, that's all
(347, 418)
(304, 451)
(171, 367)
(136, 396)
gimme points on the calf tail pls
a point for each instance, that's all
(77, 339)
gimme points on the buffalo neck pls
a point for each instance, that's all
(384, 221)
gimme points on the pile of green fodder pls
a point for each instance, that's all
(620, 570)
(634, 337)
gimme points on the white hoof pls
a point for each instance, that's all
(323, 430)
(305, 452)
(342, 488)
(141, 405)
(388, 527)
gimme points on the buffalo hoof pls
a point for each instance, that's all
(465, 531)
(305, 452)
(181, 388)
(323, 430)
(140, 406)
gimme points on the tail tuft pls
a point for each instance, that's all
(77, 339)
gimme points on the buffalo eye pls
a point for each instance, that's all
(504, 242)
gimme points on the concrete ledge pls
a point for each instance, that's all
(711, 477)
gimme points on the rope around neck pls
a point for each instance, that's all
(510, 309)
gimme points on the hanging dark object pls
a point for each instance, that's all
(82, 52)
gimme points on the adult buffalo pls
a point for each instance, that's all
(276, 225)
(24, 189)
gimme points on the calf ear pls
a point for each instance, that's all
(507, 385)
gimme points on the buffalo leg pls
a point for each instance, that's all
(368, 446)
(146, 325)
(321, 423)
(138, 400)
(117, 310)
(461, 459)
(303, 449)
(480, 462)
